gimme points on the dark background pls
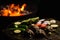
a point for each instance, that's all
(41, 8)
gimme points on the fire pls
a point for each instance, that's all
(13, 10)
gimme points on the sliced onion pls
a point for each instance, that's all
(47, 22)
(42, 20)
(17, 31)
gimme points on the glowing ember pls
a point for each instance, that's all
(14, 10)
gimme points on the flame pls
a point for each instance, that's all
(24, 5)
(13, 10)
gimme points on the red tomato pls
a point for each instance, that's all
(43, 25)
(38, 24)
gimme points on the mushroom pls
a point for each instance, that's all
(30, 31)
(54, 25)
(52, 21)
